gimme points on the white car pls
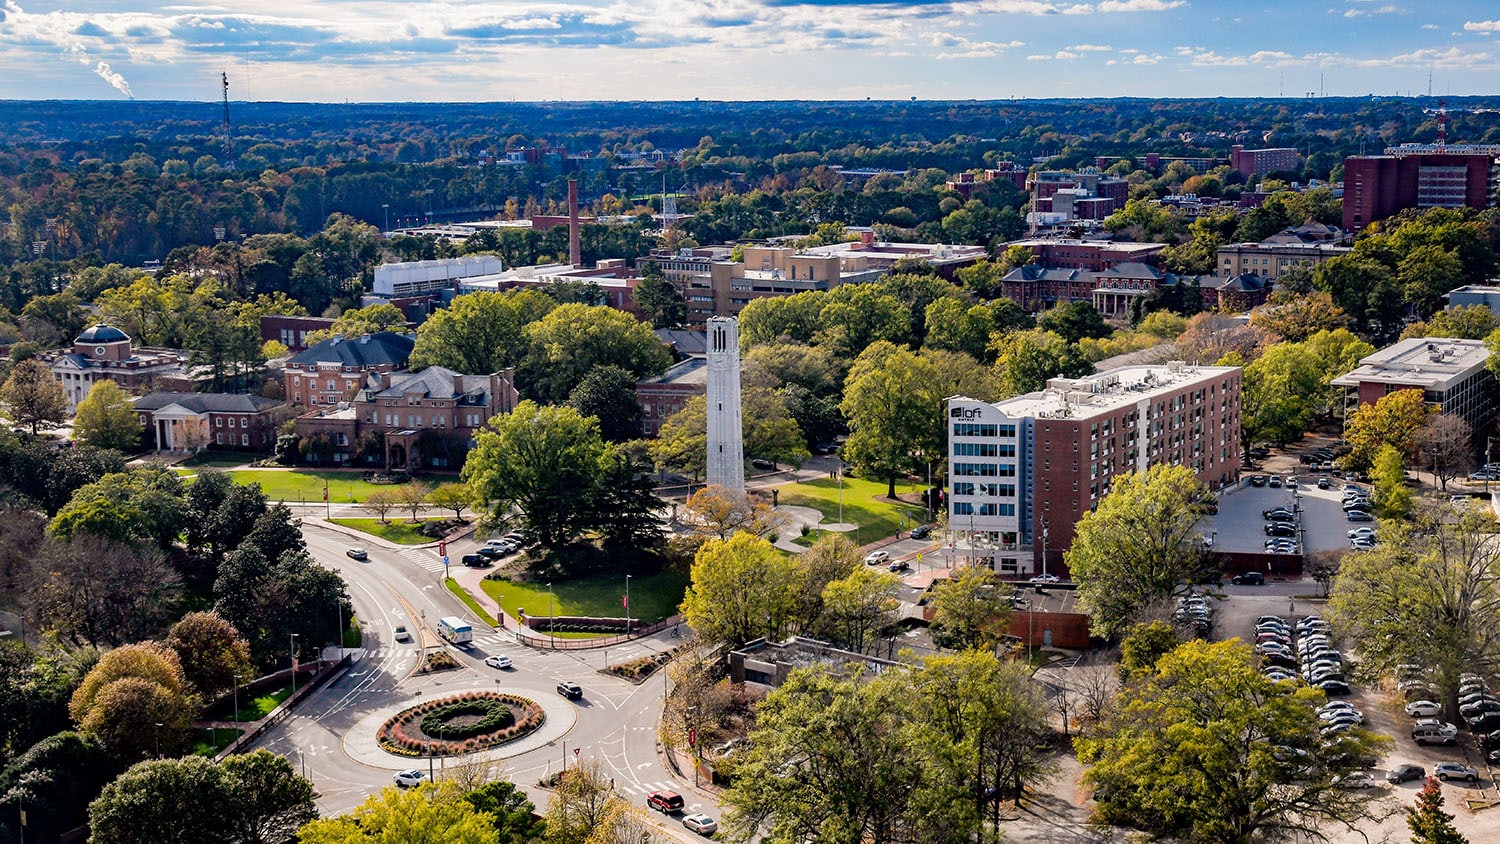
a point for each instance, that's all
(1355, 779)
(1423, 709)
(1046, 578)
(1362, 531)
(407, 779)
(700, 823)
(497, 661)
(877, 558)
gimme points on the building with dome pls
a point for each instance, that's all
(105, 353)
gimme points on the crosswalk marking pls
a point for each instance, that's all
(423, 557)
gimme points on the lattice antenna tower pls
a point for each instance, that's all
(668, 204)
(228, 133)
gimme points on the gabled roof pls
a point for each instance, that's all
(1245, 282)
(385, 348)
(206, 402)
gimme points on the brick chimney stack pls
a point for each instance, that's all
(575, 256)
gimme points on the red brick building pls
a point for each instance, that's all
(1022, 472)
(411, 420)
(190, 422)
(1378, 186)
(1262, 161)
(333, 370)
(105, 353)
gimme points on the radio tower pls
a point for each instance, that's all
(668, 205)
(1442, 141)
(228, 138)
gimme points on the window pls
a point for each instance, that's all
(244, 421)
(989, 489)
(971, 429)
(219, 439)
(1007, 449)
(1007, 430)
(1006, 509)
(972, 469)
(218, 421)
(1008, 470)
(963, 508)
(987, 509)
(963, 488)
(244, 439)
(330, 383)
(1007, 491)
(976, 449)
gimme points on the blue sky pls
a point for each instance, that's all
(384, 50)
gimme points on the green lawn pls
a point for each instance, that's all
(220, 459)
(353, 635)
(652, 597)
(398, 530)
(254, 709)
(876, 519)
(473, 605)
(210, 742)
(307, 484)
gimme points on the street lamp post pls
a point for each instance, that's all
(237, 702)
(386, 206)
(627, 606)
(158, 739)
(293, 650)
(552, 626)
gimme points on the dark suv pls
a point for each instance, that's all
(569, 689)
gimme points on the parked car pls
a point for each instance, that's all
(877, 558)
(1046, 578)
(497, 661)
(1249, 578)
(1280, 529)
(1485, 723)
(1356, 533)
(1405, 773)
(1355, 779)
(1278, 514)
(1359, 516)
(921, 531)
(408, 779)
(1291, 482)
(701, 824)
(475, 561)
(1432, 731)
(1453, 771)
(1274, 482)
(569, 689)
(490, 552)
(1334, 687)
(357, 553)
(1324, 483)
(1257, 480)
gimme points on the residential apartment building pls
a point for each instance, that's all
(105, 353)
(190, 422)
(1451, 374)
(1419, 176)
(423, 419)
(1023, 471)
(1251, 162)
(333, 370)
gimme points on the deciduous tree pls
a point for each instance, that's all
(1205, 748)
(132, 690)
(431, 812)
(572, 340)
(381, 502)
(608, 394)
(971, 609)
(211, 652)
(860, 607)
(1446, 447)
(1393, 420)
(742, 588)
(106, 418)
(721, 513)
(1139, 546)
(660, 302)
(480, 333)
(32, 397)
(449, 496)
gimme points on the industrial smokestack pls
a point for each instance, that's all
(574, 252)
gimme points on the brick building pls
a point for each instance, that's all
(291, 331)
(331, 371)
(1262, 161)
(667, 393)
(105, 353)
(1070, 253)
(1451, 373)
(1023, 471)
(1418, 176)
(419, 420)
(189, 422)
(1307, 246)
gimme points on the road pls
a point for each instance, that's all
(331, 736)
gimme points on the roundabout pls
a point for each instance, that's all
(458, 724)
(536, 720)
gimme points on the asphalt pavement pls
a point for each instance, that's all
(330, 736)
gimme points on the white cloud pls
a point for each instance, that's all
(1140, 5)
(1089, 48)
(1480, 26)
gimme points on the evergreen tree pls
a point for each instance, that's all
(1429, 823)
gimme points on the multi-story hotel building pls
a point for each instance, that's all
(1023, 471)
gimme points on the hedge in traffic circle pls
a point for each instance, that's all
(429, 728)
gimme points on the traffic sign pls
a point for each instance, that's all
(443, 549)
(692, 737)
(445, 561)
(576, 751)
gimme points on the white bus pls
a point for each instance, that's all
(455, 630)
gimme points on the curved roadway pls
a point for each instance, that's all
(330, 735)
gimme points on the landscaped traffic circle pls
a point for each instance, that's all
(462, 723)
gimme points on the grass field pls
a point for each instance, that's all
(210, 742)
(353, 635)
(307, 484)
(876, 519)
(473, 605)
(398, 531)
(652, 597)
(257, 708)
(219, 459)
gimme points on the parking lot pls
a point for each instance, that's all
(1239, 528)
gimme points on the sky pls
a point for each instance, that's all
(427, 50)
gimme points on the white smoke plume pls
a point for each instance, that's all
(79, 52)
(113, 78)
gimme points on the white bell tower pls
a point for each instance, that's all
(726, 444)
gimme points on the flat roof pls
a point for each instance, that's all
(1431, 363)
(1119, 245)
(691, 371)
(1082, 398)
